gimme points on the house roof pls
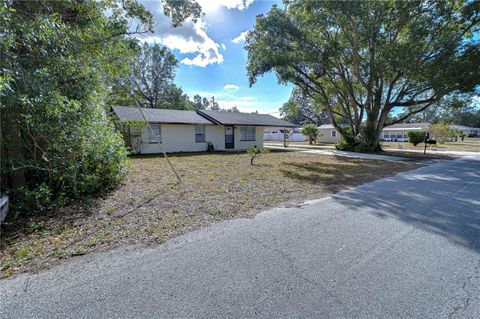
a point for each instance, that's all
(153, 115)
(326, 126)
(128, 113)
(465, 128)
(407, 126)
(236, 118)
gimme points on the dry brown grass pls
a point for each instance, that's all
(150, 207)
(468, 145)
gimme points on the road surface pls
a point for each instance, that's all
(402, 247)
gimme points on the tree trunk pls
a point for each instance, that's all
(12, 141)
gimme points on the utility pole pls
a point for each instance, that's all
(284, 137)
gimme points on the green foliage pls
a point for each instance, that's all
(254, 152)
(58, 58)
(361, 60)
(311, 131)
(150, 81)
(439, 132)
(416, 137)
(303, 109)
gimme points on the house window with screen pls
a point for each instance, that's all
(247, 133)
(200, 134)
(334, 133)
(156, 132)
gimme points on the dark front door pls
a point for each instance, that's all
(229, 140)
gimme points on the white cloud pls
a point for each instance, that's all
(189, 38)
(208, 5)
(223, 46)
(240, 38)
(230, 86)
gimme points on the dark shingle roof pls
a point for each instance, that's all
(236, 118)
(127, 113)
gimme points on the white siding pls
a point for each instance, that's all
(245, 145)
(181, 138)
(325, 135)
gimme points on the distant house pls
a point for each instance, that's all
(277, 134)
(467, 130)
(328, 134)
(191, 131)
(398, 132)
(392, 133)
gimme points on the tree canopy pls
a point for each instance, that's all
(59, 59)
(150, 81)
(363, 59)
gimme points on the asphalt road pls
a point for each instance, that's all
(401, 247)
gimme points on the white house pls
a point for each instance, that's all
(328, 134)
(277, 134)
(392, 133)
(191, 131)
(398, 132)
(467, 130)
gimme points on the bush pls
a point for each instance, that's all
(75, 152)
(255, 152)
(439, 132)
(416, 137)
(311, 131)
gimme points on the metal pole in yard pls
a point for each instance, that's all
(284, 137)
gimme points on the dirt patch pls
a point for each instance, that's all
(150, 207)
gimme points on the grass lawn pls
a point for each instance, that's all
(468, 145)
(305, 144)
(150, 207)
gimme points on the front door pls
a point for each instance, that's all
(229, 140)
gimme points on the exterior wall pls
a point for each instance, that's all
(395, 135)
(181, 138)
(245, 145)
(274, 134)
(325, 135)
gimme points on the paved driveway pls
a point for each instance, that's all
(401, 247)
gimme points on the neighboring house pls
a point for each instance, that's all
(190, 131)
(392, 133)
(395, 133)
(328, 134)
(277, 134)
(398, 132)
(468, 131)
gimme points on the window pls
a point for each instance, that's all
(247, 133)
(200, 134)
(334, 133)
(156, 132)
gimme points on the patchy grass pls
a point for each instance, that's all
(151, 207)
(468, 145)
(305, 144)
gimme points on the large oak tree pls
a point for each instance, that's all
(363, 59)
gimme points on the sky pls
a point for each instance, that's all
(212, 58)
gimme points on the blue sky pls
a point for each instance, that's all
(212, 58)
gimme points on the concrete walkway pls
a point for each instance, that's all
(338, 153)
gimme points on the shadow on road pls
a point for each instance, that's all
(443, 199)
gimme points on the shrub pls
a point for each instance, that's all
(311, 131)
(416, 137)
(83, 155)
(255, 152)
(439, 132)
